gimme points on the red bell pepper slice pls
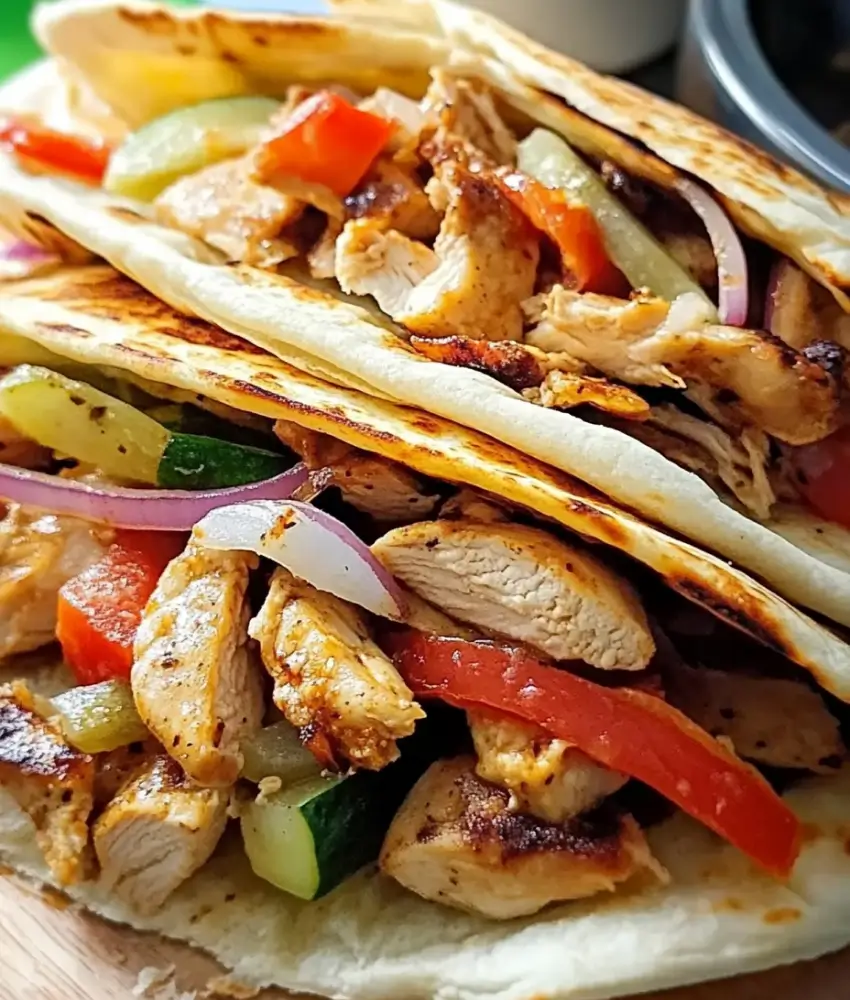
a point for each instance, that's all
(571, 227)
(626, 729)
(325, 141)
(42, 147)
(100, 610)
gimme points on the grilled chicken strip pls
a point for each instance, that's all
(483, 265)
(385, 490)
(601, 331)
(39, 553)
(739, 462)
(224, 206)
(466, 113)
(157, 831)
(49, 780)
(196, 684)
(523, 583)
(330, 677)
(455, 841)
(546, 777)
(564, 390)
(394, 195)
(768, 719)
(760, 379)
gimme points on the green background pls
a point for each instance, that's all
(17, 47)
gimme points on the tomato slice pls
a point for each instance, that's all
(823, 475)
(626, 729)
(326, 141)
(58, 151)
(572, 227)
(100, 610)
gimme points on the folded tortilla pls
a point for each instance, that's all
(142, 59)
(370, 938)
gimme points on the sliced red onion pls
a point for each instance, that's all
(19, 259)
(312, 545)
(122, 507)
(731, 260)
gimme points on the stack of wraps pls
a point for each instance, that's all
(430, 457)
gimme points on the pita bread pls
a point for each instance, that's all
(97, 316)
(317, 331)
(370, 939)
(648, 135)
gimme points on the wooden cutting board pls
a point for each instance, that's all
(51, 952)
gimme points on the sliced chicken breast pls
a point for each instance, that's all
(759, 379)
(523, 583)
(157, 831)
(39, 553)
(224, 206)
(196, 684)
(768, 719)
(393, 194)
(385, 490)
(546, 777)
(49, 780)
(483, 265)
(466, 113)
(330, 678)
(565, 390)
(455, 841)
(601, 331)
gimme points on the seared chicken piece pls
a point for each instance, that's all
(468, 505)
(483, 265)
(455, 841)
(21, 451)
(601, 331)
(382, 263)
(740, 465)
(760, 380)
(384, 490)
(197, 686)
(116, 767)
(523, 583)
(396, 197)
(546, 777)
(513, 364)
(804, 312)
(321, 258)
(223, 205)
(157, 831)
(564, 390)
(768, 719)
(329, 675)
(39, 553)
(426, 618)
(316, 449)
(49, 780)
(466, 113)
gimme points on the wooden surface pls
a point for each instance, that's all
(50, 952)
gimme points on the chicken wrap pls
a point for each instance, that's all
(441, 213)
(368, 704)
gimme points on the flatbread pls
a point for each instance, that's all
(320, 334)
(240, 53)
(316, 331)
(97, 316)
